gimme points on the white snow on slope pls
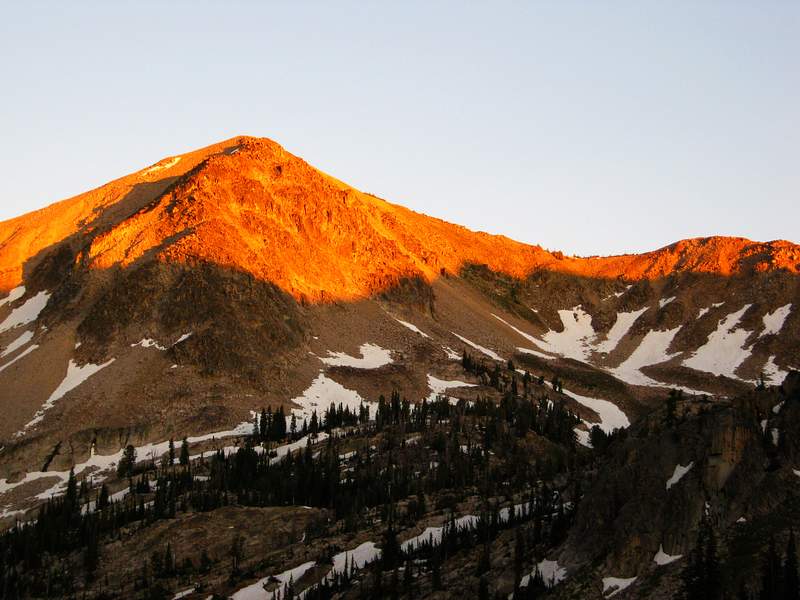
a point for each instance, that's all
(664, 301)
(678, 474)
(451, 354)
(27, 313)
(17, 343)
(528, 337)
(490, 353)
(321, 393)
(256, 591)
(535, 353)
(184, 337)
(662, 558)
(148, 343)
(611, 417)
(435, 533)
(773, 374)
(75, 376)
(412, 327)
(183, 594)
(723, 352)
(19, 356)
(552, 573)
(372, 357)
(773, 322)
(622, 325)
(702, 312)
(651, 350)
(440, 386)
(13, 295)
(614, 585)
(575, 341)
(160, 167)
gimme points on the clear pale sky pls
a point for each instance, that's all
(593, 128)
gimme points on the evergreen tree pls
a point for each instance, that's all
(184, 458)
(791, 586)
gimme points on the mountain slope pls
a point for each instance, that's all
(177, 299)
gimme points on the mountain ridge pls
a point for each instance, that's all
(291, 206)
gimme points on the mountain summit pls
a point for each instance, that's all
(249, 205)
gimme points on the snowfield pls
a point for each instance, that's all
(621, 327)
(611, 417)
(575, 341)
(372, 357)
(27, 313)
(773, 322)
(321, 393)
(651, 350)
(724, 351)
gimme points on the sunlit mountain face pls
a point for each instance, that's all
(230, 374)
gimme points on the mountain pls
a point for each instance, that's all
(178, 301)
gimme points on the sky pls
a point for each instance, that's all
(592, 128)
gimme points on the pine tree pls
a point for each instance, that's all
(791, 586)
(184, 458)
(171, 452)
(771, 574)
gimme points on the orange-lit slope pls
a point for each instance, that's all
(250, 205)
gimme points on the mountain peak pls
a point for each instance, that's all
(249, 205)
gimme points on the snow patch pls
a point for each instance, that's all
(19, 356)
(27, 313)
(664, 301)
(528, 337)
(678, 474)
(651, 350)
(490, 353)
(622, 325)
(552, 574)
(724, 351)
(372, 357)
(702, 312)
(614, 585)
(438, 387)
(17, 343)
(575, 341)
(13, 295)
(256, 591)
(611, 417)
(412, 327)
(662, 558)
(773, 322)
(451, 354)
(148, 343)
(75, 376)
(773, 374)
(321, 393)
(162, 165)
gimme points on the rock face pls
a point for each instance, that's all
(652, 491)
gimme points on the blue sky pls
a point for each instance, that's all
(586, 127)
